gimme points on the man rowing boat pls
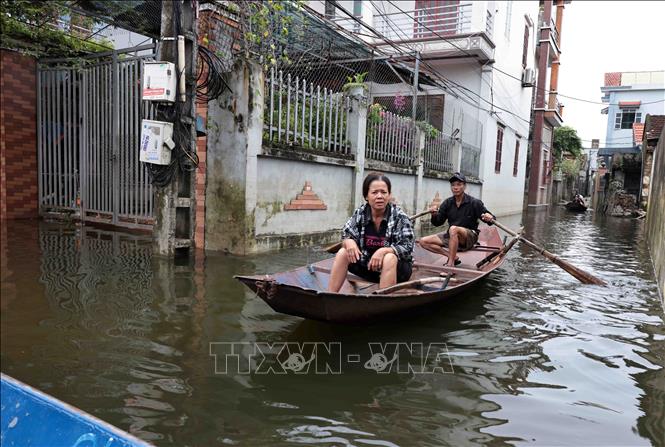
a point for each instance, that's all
(462, 212)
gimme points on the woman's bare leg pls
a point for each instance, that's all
(339, 270)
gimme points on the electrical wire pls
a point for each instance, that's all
(498, 69)
(210, 82)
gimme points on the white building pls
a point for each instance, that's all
(630, 97)
(482, 54)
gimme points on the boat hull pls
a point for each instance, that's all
(302, 292)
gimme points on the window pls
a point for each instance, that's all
(509, 13)
(517, 155)
(626, 117)
(499, 147)
(357, 8)
(525, 47)
(330, 10)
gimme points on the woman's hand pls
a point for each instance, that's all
(352, 250)
(433, 209)
(376, 261)
(486, 217)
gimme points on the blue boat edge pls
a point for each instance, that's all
(53, 422)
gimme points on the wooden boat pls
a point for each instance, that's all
(303, 291)
(576, 207)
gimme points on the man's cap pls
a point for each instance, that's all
(458, 177)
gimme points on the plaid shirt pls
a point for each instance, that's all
(399, 231)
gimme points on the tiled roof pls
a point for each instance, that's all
(638, 132)
(612, 79)
(655, 124)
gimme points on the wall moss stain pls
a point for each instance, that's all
(271, 210)
(225, 210)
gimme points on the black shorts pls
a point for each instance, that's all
(404, 269)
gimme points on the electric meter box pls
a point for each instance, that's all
(159, 81)
(156, 142)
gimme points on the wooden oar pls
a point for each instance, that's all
(581, 275)
(335, 247)
(414, 283)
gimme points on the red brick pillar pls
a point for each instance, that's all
(18, 136)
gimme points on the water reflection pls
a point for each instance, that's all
(93, 318)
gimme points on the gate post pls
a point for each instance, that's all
(235, 137)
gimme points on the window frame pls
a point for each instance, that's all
(620, 121)
(500, 134)
(525, 45)
(517, 155)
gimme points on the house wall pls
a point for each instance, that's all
(655, 221)
(624, 137)
(18, 136)
(502, 192)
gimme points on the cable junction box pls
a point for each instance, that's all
(159, 81)
(156, 142)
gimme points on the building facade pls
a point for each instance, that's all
(630, 96)
(482, 55)
(547, 110)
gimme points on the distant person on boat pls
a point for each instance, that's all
(579, 200)
(462, 213)
(377, 241)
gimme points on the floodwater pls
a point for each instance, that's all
(530, 356)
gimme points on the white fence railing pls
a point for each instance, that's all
(299, 113)
(430, 21)
(438, 153)
(391, 138)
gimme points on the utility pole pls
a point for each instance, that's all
(175, 203)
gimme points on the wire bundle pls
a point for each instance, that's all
(182, 157)
(210, 77)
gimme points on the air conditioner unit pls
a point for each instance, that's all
(528, 77)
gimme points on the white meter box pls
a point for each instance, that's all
(159, 81)
(156, 142)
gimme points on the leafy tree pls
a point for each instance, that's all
(566, 140)
(32, 26)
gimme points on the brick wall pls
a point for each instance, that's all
(18, 136)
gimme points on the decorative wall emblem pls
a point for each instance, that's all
(306, 200)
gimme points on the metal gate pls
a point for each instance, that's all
(89, 126)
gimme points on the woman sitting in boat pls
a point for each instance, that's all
(377, 241)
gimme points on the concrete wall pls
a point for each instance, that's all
(655, 223)
(281, 180)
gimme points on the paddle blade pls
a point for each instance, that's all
(581, 275)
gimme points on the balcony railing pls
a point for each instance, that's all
(433, 21)
(554, 104)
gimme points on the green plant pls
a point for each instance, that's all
(269, 26)
(430, 131)
(376, 114)
(566, 140)
(27, 25)
(570, 167)
(357, 80)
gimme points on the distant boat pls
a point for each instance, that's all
(30, 417)
(303, 291)
(576, 206)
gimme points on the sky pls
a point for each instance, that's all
(599, 37)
